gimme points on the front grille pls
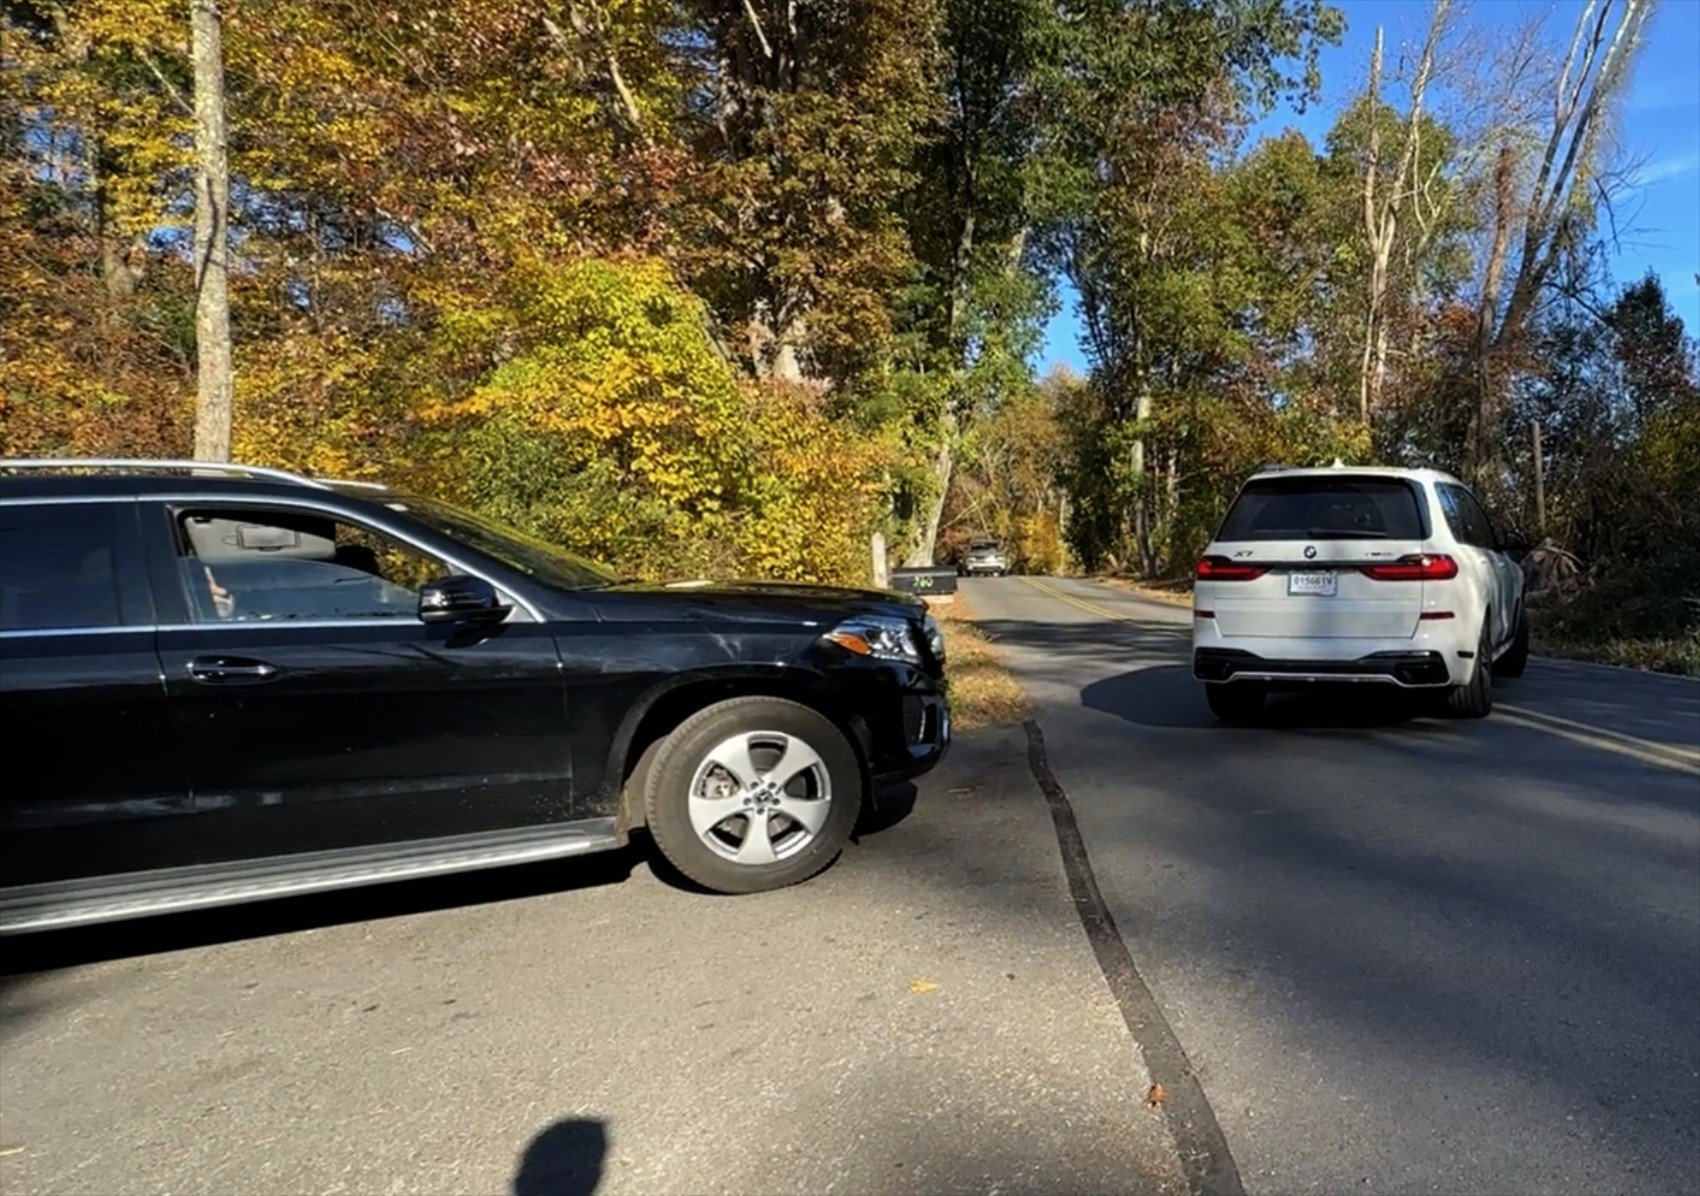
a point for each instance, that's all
(914, 719)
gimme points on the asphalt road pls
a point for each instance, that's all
(927, 1017)
(1402, 953)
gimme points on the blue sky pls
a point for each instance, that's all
(1659, 220)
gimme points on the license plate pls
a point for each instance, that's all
(1321, 585)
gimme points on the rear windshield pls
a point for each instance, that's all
(1314, 508)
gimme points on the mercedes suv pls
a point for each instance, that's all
(1394, 577)
(221, 684)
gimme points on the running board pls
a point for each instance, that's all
(63, 904)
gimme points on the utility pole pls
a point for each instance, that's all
(1540, 485)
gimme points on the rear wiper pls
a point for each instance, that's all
(1343, 533)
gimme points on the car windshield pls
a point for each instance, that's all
(1316, 508)
(524, 553)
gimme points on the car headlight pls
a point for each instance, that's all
(935, 638)
(877, 636)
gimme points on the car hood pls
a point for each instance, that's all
(762, 600)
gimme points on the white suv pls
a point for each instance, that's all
(1387, 576)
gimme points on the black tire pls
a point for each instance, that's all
(1238, 702)
(668, 795)
(1474, 699)
(1516, 657)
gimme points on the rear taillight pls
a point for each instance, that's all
(1424, 566)
(1220, 568)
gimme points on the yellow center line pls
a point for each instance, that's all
(1091, 608)
(1607, 741)
(1664, 755)
(1651, 745)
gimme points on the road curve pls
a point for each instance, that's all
(1403, 953)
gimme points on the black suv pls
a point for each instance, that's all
(223, 683)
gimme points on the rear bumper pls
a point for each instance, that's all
(1407, 668)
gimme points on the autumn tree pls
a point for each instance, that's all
(1549, 176)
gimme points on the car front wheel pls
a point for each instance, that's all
(753, 794)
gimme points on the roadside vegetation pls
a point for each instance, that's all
(983, 692)
(667, 282)
(1644, 615)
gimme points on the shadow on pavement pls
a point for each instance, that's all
(201, 928)
(563, 1160)
(1169, 696)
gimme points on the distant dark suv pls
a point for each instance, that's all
(222, 684)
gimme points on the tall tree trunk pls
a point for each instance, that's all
(1381, 215)
(1372, 231)
(212, 237)
(950, 424)
(1566, 184)
(1480, 443)
(1142, 539)
(927, 545)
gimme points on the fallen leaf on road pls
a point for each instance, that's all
(921, 986)
(10, 1151)
(1156, 1095)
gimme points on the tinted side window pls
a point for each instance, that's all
(1464, 515)
(1448, 496)
(1481, 526)
(58, 566)
(257, 565)
(1325, 508)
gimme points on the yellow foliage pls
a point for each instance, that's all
(615, 428)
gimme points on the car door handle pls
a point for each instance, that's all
(229, 670)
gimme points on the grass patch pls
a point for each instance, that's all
(1170, 592)
(983, 692)
(1679, 654)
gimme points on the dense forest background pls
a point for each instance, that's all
(726, 286)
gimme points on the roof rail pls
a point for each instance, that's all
(124, 465)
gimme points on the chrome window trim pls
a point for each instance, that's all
(65, 500)
(154, 465)
(20, 633)
(25, 633)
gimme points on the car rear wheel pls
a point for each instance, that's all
(1237, 703)
(1474, 699)
(1516, 657)
(753, 794)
